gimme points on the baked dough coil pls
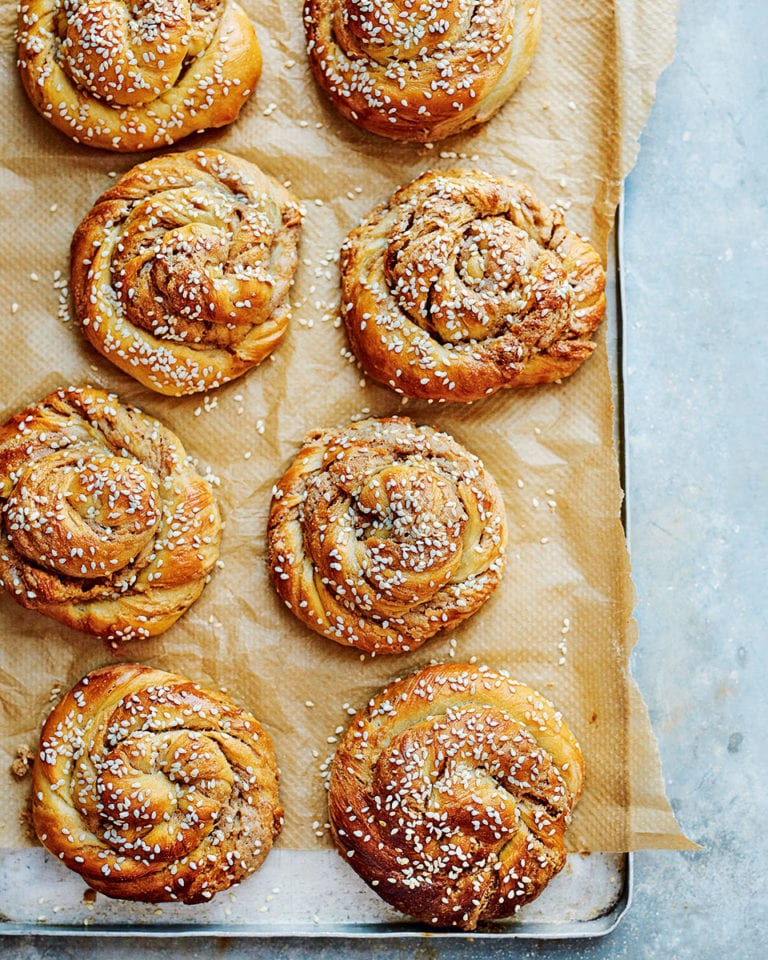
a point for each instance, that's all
(130, 75)
(415, 70)
(154, 788)
(465, 283)
(450, 794)
(104, 524)
(382, 533)
(181, 271)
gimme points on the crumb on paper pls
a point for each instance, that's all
(23, 762)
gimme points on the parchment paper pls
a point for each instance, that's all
(561, 618)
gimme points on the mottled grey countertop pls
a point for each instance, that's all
(696, 340)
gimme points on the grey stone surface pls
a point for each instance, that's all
(696, 337)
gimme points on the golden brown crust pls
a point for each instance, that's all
(134, 76)
(465, 283)
(181, 271)
(104, 524)
(450, 794)
(382, 533)
(420, 71)
(153, 788)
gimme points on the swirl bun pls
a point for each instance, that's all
(181, 271)
(416, 70)
(131, 75)
(382, 533)
(464, 283)
(450, 794)
(153, 788)
(104, 524)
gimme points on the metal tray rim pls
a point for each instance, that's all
(595, 927)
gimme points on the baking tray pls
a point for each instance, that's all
(313, 893)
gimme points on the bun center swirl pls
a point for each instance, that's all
(402, 30)
(466, 266)
(83, 516)
(393, 538)
(128, 52)
(161, 790)
(476, 276)
(194, 266)
(468, 777)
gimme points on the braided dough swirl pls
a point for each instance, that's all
(450, 794)
(130, 75)
(382, 533)
(464, 283)
(153, 788)
(181, 271)
(420, 70)
(104, 524)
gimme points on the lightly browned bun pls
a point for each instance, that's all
(182, 268)
(464, 283)
(418, 70)
(105, 525)
(154, 788)
(129, 76)
(383, 533)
